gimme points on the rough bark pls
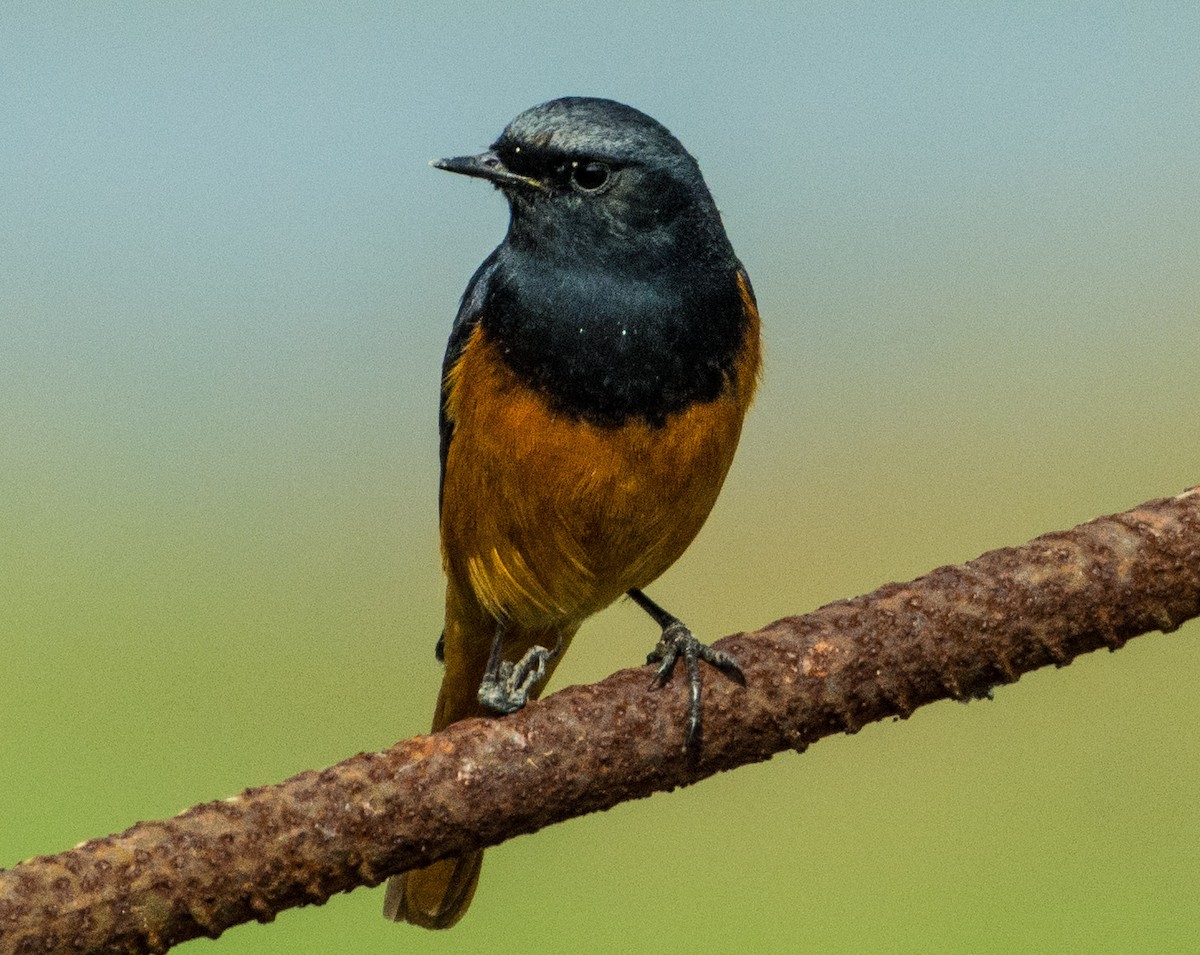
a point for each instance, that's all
(956, 632)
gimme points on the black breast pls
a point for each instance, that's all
(609, 347)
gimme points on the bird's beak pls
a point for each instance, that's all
(487, 166)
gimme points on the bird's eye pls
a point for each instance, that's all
(590, 176)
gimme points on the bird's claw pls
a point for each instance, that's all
(507, 689)
(678, 641)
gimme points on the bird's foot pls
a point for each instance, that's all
(506, 688)
(678, 641)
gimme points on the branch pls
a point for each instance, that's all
(956, 632)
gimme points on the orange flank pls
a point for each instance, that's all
(547, 519)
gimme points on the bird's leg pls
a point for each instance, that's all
(506, 685)
(678, 641)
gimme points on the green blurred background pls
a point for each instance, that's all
(226, 277)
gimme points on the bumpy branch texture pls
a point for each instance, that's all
(956, 632)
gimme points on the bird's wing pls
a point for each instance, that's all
(470, 310)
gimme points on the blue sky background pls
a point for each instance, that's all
(226, 278)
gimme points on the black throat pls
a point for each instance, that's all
(608, 343)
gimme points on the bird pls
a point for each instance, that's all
(593, 392)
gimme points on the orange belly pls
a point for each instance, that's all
(546, 519)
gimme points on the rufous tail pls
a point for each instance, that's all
(438, 895)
